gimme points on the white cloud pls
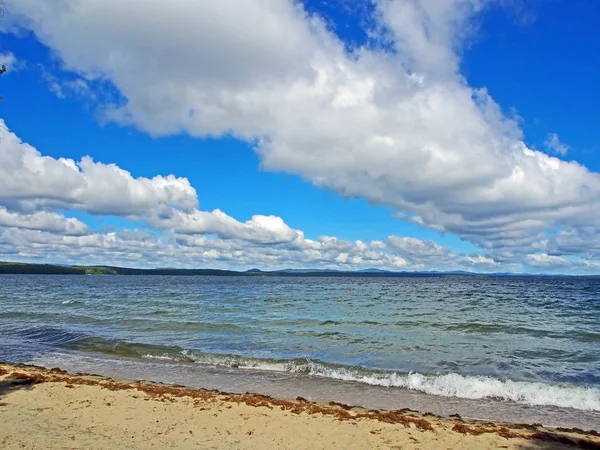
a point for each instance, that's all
(259, 229)
(480, 260)
(31, 184)
(426, 33)
(547, 261)
(575, 241)
(592, 265)
(554, 144)
(77, 87)
(30, 181)
(415, 247)
(397, 128)
(43, 221)
(142, 249)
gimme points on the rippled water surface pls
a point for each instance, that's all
(530, 341)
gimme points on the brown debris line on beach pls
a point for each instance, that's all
(50, 408)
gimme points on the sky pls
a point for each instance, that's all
(404, 135)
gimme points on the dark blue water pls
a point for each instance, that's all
(529, 341)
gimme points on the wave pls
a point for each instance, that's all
(174, 325)
(131, 350)
(587, 336)
(71, 302)
(445, 385)
(50, 336)
(479, 387)
(485, 328)
(349, 322)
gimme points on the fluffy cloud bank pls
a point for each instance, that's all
(42, 221)
(259, 229)
(33, 187)
(30, 181)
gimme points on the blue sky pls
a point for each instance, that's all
(535, 61)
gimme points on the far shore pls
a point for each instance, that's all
(51, 409)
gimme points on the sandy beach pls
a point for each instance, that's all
(50, 409)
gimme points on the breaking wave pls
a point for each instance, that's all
(446, 385)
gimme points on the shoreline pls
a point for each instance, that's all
(78, 414)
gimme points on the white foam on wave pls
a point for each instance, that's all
(160, 357)
(479, 387)
(445, 385)
(69, 302)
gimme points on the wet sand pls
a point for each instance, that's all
(51, 409)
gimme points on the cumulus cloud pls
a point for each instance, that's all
(554, 144)
(416, 247)
(480, 260)
(259, 229)
(31, 185)
(30, 181)
(547, 261)
(326, 252)
(398, 127)
(574, 241)
(427, 33)
(144, 249)
(43, 221)
(76, 87)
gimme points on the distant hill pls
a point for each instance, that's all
(374, 271)
(306, 271)
(20, 268)
(52, 269)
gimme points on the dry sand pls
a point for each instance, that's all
(51, 409)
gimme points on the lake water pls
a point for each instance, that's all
(515, 349)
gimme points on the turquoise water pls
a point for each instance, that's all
(527, 341)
